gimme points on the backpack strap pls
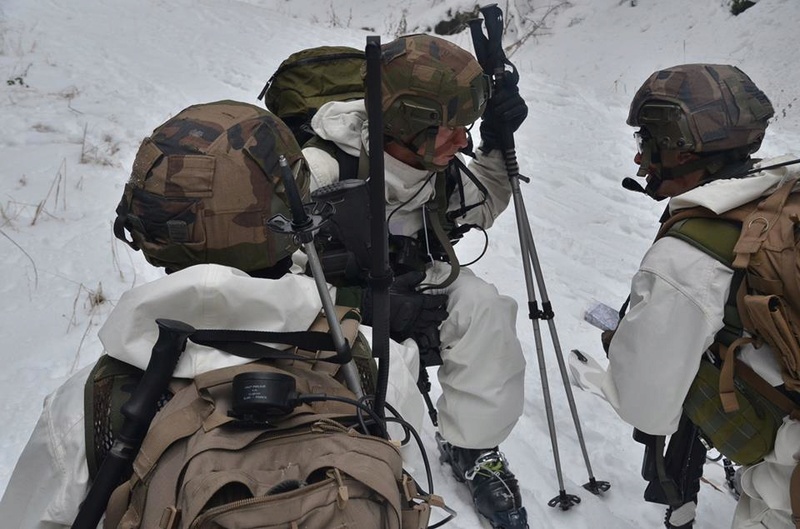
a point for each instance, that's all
(436, 215)
(350, 167)
(717, 238)
(757, 224)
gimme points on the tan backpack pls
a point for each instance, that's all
(766, 256)
(198, 469)
(760, 240)
(203, 466)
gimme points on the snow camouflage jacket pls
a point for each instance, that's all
(407, 189)
(651, 366)
(481, 404)
(51, 476)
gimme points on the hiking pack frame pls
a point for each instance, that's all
(490, 55)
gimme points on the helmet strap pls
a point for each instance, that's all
(646, 160)
(427, 138)
(711, 164)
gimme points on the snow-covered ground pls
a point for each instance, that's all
(86, 80)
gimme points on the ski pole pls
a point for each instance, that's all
(303, 227)
(490, 54)
(138, 412)
(380, 276)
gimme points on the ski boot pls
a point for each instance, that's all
(494, 489)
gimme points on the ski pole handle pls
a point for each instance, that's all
(143, 404)
(300, 218)
(138, 413)
(496, 57)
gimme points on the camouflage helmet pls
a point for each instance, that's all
(701, 108)
(204, 184)
(428, 82)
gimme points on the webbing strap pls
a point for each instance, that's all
(310, 340)
(732, 366)
(668, 485)
(182, 423)
(117, 505)
(727, 391)
(756, 226)
(434, 215)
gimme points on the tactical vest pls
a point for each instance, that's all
(443, 230)
(735, 409)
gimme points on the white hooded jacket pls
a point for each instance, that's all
(51, 476)
(676, 309)
(407, 189)
(482, 376)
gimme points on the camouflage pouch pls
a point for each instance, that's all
(746, 435)
(308, 79)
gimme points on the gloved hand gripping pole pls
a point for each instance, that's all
(490, 55)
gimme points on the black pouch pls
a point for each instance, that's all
(343, 243)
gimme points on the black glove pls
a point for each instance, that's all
(412, 314)
(506, 108)
(605, 339)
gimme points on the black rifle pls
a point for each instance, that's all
(673, 478)
(138, 413)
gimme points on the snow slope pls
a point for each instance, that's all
(87, 80)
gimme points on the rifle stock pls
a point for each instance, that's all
(673, 478)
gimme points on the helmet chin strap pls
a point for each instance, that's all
(644, 167)
(711, 164)
(428, 139)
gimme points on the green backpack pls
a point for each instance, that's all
(308, 79)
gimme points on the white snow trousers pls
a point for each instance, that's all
(483, 371)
